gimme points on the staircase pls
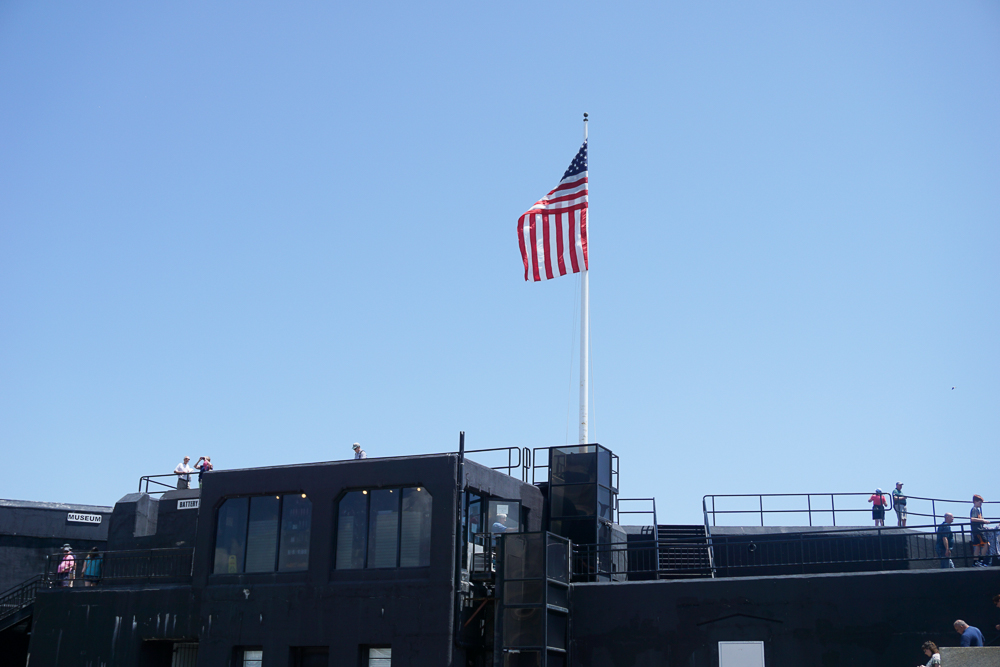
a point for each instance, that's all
(683, 552)
(17, 603)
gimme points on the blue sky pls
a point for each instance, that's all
(262, 231)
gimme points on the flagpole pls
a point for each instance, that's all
(584, 334)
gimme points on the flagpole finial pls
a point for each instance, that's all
(585, 114)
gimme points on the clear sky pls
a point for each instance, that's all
(263, 231)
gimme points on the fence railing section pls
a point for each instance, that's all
(650, 513)
(158, 483)
(846, 550)
(517, 460)
(19, 597)
(110, 567)
(822, 509)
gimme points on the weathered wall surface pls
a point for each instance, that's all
(29, 531)
(834, 620)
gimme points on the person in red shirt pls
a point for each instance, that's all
(879, 503)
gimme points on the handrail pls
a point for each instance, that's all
(141, 564)
(510, 462)
(710, 510)
(619, 511)
(794, 553)
(17, 598)
(147, 479)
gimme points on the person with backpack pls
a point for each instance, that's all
(879, 503)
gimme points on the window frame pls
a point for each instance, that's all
(367, 492)
(246, 533)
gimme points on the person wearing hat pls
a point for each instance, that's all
(899, 504)
(358, 452)
(980, 547)
(878, 502)
(66, 571)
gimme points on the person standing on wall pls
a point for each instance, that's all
(980, 547)
(358, 452)
(899, 504)
(203, 465)
(878, 502)
(183, 472)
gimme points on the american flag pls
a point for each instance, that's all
(553, 233)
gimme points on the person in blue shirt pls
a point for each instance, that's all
(970, 636)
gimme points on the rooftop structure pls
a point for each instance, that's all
(439, 560)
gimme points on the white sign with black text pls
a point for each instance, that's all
(84, 518)
(188, 504)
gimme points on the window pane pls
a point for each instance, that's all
(573, 465)
(504, 516)
(379, 657)
(415, 533)
(296, 519)
(352, 529)
(383, 521)
(262, 534)
(576, 500)
(252, 658)
(230, 536)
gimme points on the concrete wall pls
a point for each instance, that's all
(833, 620)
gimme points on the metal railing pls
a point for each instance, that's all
(19, 597)
(843, 550)
(146, 480)
(520, 462)
(814, 507)
(619, 511)
(111, 567)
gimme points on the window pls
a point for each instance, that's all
(231, 536)
(263, 534)
(504, 516)
(378, 657)
(249, 657)
(296, 521)
(415, 533)
(384, 528)
(741, 654)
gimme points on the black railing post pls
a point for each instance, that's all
(809, 505)
(833, 510)
(761, 499)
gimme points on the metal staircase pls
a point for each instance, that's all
(683, 552)
(17, 604)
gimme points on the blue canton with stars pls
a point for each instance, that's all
(579, 163)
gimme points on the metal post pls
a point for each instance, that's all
(810, 506)
(761, 499)
(584, 334)
(833, 510)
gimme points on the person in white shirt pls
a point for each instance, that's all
(932, 652)
(358, 452)
(183, 472)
